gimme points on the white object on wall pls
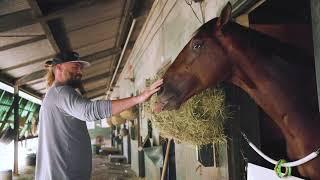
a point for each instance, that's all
(255, 172)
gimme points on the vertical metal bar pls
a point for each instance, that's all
(2, 109)
(315, 13)
(140, 144)
(16, 128)
(138, 127)
(129, 147)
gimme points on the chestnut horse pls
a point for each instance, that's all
(282, 84)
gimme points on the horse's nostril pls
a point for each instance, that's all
(160, 90)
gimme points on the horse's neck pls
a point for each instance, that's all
(267, 81)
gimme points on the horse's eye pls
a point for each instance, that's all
(197, 46)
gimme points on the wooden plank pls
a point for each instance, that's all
(22, 43)
(98, 77)
(16, 20)
(39, 74)
(11, 6)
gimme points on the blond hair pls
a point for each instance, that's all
(50, 75)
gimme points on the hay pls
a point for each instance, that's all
(109, 122)
(117, 120)
(130, 114)
(198, 121)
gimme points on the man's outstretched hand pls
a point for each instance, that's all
(147, 93)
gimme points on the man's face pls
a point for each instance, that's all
(72, 73)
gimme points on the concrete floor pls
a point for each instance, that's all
(102, 169)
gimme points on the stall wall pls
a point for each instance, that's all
(167, 30)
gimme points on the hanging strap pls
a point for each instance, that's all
(287, 164)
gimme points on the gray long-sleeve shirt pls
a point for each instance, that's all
(64, 151)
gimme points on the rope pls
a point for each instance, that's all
(287, 164)
(190, 3)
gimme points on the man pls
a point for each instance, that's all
(64, 151)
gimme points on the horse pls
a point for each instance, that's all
(283, 84)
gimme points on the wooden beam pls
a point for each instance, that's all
(39, 74)
(16, 20)
(9, 80)
(83, 26)
(59, 34)
(101, 54)
(71, 8)
(28, 63)
(22, 43)
(26, 17)
(90, 58)
(36, 81)
(35, 7)
(98, 77)
(7, 7)
(30, 77)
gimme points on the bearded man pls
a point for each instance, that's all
(64, 150)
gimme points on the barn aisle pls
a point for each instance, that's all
(102, 169)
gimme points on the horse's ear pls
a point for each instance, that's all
(225, 15)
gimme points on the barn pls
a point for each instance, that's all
(239, 92)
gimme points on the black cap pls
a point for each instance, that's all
(67, 56)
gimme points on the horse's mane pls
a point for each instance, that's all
(270, 45)
(261, 41)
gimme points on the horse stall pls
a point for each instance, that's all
(168, 28)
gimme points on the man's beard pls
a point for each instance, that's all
(75, 83)
(73, 80)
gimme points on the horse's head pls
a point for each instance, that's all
(201, 64)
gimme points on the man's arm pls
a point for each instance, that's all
(126, 103)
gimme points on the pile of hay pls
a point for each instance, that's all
(198, 121)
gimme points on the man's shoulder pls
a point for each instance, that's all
(56, 91)
(64, 89)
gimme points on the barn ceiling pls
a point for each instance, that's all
(33, 31)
